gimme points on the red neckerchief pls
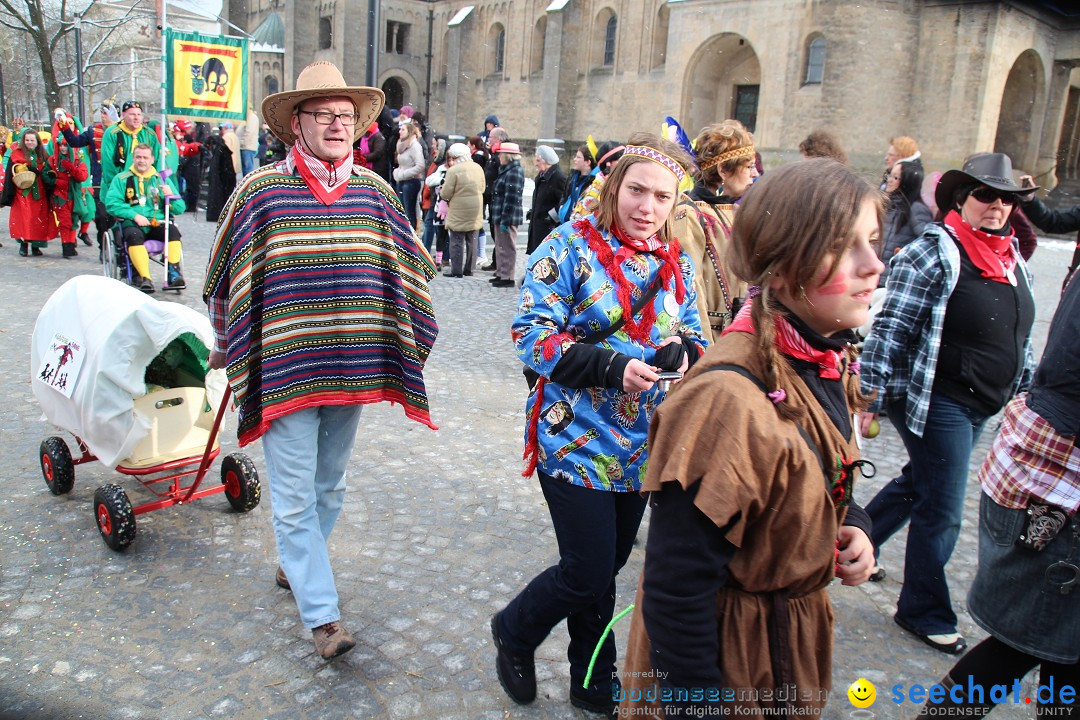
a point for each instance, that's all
(638, 330)
(992, 254)
(326, 180)
(791, 343)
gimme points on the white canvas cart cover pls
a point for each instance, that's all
(88, 356)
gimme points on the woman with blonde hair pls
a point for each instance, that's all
(410, 168)
(607, 302)
(726, 169)
(753, 460)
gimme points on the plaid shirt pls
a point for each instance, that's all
(506, 208)
(900, 356)
(1030, 459)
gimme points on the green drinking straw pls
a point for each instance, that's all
(603, 637)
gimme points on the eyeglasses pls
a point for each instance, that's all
(987, 195)
(325, 117)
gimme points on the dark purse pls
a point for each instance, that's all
(532, 377)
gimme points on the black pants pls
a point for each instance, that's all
(992, 662)
(595, 530)
(135, 235)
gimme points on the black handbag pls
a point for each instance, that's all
(532, 377)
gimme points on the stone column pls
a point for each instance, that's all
(549, 103)
(453, 76)
(1053, 116)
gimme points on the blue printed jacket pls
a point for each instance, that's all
(594, 437)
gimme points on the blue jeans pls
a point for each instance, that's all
(929, 493)
(247, 161)
(429, 228)
(306, 453)
(595, 530)
(409, 191)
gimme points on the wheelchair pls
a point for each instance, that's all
(116, 265)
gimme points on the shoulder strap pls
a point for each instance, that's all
(761, 386)
(614, 327)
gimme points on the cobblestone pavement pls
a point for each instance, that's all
(438, 531)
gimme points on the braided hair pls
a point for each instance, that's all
(797, 218)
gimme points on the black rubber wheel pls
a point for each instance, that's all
(56, 465)
(115, 518)
(241, 481)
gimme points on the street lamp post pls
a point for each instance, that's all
(373, 43)
(427, 88)
(78, 64)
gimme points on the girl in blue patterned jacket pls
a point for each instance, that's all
(588, 415)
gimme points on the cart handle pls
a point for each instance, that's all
(207, 460)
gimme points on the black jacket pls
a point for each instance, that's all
(1052, 221)
(547, 195)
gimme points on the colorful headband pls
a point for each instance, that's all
(657, 157)
(739, 152)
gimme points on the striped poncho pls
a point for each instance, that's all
(324, 304)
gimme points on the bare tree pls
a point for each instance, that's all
(46, 28)
(44, 33)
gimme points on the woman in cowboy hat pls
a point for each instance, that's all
(949, 349)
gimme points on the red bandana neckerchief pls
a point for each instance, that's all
(638, 330)
(791, 343)
(992, 254)
(326, 180)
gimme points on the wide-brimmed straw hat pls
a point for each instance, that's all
(320, 80)
(509, 148)
(991, 169)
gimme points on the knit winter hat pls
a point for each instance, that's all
(547, 154)
(458, 151)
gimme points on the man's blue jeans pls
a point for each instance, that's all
(930, 493)
(595, 530)
(247, 161)
(306, 453)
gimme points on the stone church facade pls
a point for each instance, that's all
(958, 75)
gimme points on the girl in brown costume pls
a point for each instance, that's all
(752, 460)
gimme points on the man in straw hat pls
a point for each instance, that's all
(317, 288)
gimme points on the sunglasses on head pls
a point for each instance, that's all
(987, 195)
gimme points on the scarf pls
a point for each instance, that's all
(326, 180)
(638, 330)
(992, 254)
(790, 342)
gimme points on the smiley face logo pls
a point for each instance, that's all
(862, 693)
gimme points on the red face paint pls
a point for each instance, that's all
(838, 286)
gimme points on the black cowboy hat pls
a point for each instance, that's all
(991, 169)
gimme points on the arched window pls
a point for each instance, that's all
(536, 62)
(815, 61)
(660, 33)
(498, 42)
(271, 85)
(610, 31)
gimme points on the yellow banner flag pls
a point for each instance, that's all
(207, 76)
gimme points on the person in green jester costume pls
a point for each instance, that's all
(120, 139)
(137, 197)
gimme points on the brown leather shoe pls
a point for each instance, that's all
(281, 580)
(332, 640)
